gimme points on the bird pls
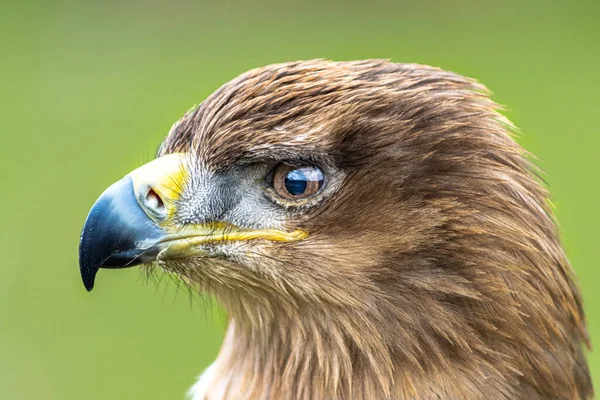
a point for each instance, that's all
(373, 231)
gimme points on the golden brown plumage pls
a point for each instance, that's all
(432, 268)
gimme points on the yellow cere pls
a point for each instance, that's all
(165, 175)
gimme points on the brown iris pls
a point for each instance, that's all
(295, 183)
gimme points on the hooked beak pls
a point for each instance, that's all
(114, 231)
(131, 222)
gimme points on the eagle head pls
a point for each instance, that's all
(372, 229)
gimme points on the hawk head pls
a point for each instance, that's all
(372, 229)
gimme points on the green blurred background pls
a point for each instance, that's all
(90, 88)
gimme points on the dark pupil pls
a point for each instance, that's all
(296, 181)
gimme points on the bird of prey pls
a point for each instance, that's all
(373, 231)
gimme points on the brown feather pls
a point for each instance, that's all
(434, 272)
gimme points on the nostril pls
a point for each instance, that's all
(154, 202)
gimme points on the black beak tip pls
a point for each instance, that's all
(88, 282)
(88, 273)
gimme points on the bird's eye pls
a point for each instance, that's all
(295, 183)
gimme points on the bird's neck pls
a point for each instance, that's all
(314, 357)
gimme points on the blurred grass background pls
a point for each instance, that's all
(90, 88)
